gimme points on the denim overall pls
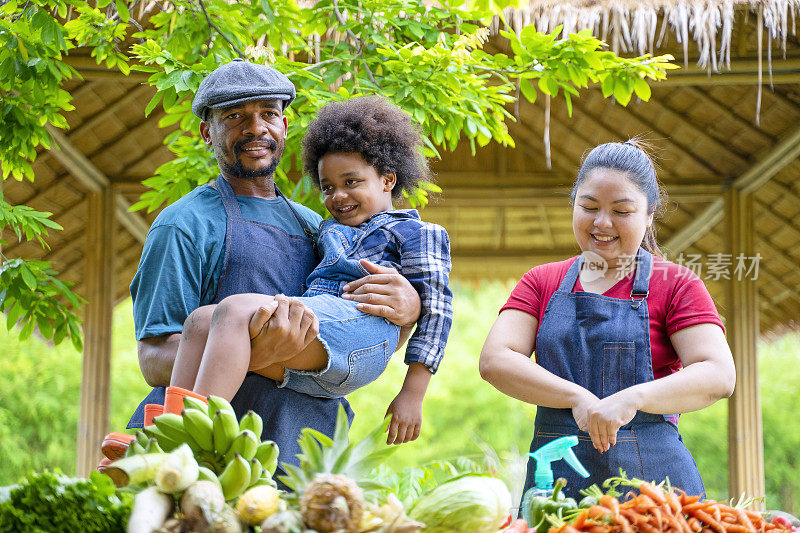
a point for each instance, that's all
(603, 345)
(261, 258)
(359, 345)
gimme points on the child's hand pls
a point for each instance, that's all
(406, 411)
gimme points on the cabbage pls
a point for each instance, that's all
(466, 504)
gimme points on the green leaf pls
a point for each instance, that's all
(122, 9)
(622, 94)
(45, 327)
(528, 90)
(28, 277)
(26, 331)
(642, 89)
(608, 86)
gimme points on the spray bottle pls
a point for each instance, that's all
(543, 498)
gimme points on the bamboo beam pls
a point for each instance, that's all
(530, 195)
(780, 155)
(109, 111)
(728, 112)
(91, 177)
(686, 150)
(745, 438)
(96, 374)
(702, 224)
(719, 145)
(88, 69)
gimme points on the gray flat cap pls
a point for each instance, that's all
(240, 81)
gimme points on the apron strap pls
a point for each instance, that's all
(644, 269)
(303, 224)
(568, 283)
(228, 198)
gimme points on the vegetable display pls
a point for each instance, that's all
(202, 481)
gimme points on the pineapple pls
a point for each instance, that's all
(332, 502)
(326, 484)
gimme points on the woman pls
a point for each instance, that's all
(611, 328)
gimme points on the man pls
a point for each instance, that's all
(239, 235)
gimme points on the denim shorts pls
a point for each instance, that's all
(359, 347)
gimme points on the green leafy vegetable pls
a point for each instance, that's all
(466, 504)
(51, 501)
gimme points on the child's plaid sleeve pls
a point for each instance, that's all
(425, 262)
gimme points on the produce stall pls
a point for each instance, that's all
(205, 471)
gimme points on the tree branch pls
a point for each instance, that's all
(208, 20)
(358, 42)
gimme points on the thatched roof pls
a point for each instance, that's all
(643, 26)
(505, 210)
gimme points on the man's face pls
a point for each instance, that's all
(248, 138)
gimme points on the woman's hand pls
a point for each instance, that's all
(580, 410)
(385, 292)
(606, 416)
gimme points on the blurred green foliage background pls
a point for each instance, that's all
(463, 415)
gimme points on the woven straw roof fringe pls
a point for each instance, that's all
(632, 25)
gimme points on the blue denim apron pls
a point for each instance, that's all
(261, 258)
(603, 345)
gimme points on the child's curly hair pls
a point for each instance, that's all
(385, 136)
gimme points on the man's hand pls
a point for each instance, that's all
(284, 332)
(406, 411)
(385, 292)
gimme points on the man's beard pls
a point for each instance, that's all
(237, 170)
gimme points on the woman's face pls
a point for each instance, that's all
(610, 216)
(352, 189)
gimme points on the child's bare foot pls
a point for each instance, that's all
(259, 321)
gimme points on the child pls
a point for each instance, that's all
(362, 153)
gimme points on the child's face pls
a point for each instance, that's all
(352, 189)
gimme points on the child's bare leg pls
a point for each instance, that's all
(313, 357)
(226, 358)
(190, 349)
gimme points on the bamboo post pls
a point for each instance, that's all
(96, 376)
(745, 442)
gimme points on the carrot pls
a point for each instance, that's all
(580, 520)
(644, 527)
(656, 512)
(632, 516)
(695, 505)
(736, 528)
(685, 527)
(694, 524)
(686, 500)
(708, 520)
(717, 512)
(596, 511)
(599, 529)
(655, 493)
(611, 503)
(626, 526)
(674, 502)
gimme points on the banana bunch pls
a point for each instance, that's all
(229, 451)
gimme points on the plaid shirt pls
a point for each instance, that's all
(420, 251)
